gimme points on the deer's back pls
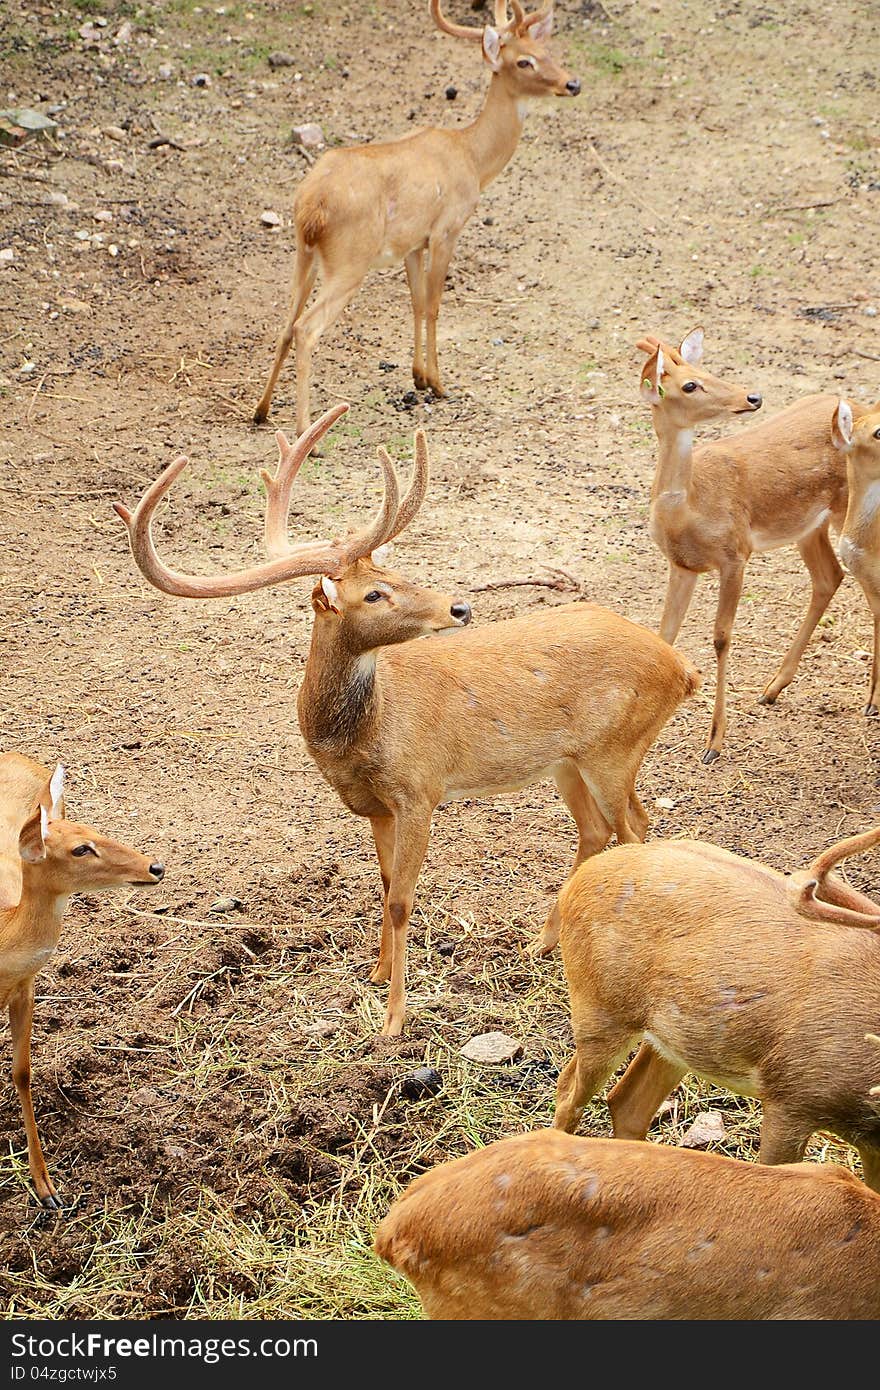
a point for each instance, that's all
(551, 1226)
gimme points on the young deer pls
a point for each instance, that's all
(777, 483)
(43, 859)
(368, 206)
(859, 545)
(398, 726)
(546, 1226)
(759, 982)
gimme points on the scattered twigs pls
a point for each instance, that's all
(804, 207)
(612, 173)
(562, 580)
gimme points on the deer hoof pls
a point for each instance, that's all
(420, 382)
(540, 948)
(871, 711)
(711, 755)
(767, 699)
(380, 975)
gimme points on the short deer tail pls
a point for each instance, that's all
(838, 902)
(692, 677)
(311, 222)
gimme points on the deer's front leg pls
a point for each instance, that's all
(440, 251)
(21, 1013)
(873, 705)
(415, 274)
(728, 602)
(680, 586)
(413, 826)
(384, 834)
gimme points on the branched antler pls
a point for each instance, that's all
(814, 894)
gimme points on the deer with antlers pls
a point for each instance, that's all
(547, 1226)
(859, 544)
(777, 483)
(763, 983)
(43, 859)
(368, 206)
(398, 726)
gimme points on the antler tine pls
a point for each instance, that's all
(415, 495)
(313, 557)
(458, 31)
(290, 459)
(525, 24)
(844, 849)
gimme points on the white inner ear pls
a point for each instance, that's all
(692, 348)
(492, 47)
(44, 823)
(845, 421)
(56, 791)
(661, 366)
(381, 555)
(330, 590)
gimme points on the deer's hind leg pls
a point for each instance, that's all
(818, 555)
(415, 275)
(304, 274)
(593, 835)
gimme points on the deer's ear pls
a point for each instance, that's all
(544, 28)
(492, 47)
(56, 793)
(325, 596)
(842, 425)
(692, 347)
(381, 555)
(651, 373)
(31, 839)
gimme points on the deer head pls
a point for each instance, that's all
(516, 49)
(672, 378)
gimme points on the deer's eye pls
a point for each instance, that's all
(373, 596)
(525, 62)
(690, 386)
(79, 850)
(877, 434)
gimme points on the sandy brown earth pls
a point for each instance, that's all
(210, 1088)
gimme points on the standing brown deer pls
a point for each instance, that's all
(546, 1226)
(43, 859)
(777, 483)
(368, 206)
(859, 545)
(398, 726)
(763, 983)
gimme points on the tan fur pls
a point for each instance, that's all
(704, 956)
(407, 200)
(398, 726)
(777, 483)
(545, 1226)
(859, 545)
(30, 926)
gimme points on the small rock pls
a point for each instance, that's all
(870, 311)
(123, 33)
(201, 79)
(322, 1029)
(861, 655)
(488, 221)
(27, 368)
(226, 905)
(707, 1128)
(113, 166)
(7, 256)
(492, 1047)
(130, 744)
(115, 132)
(270, 219)
(410, 399)
(451, 93)
(592, 323)
(310, 136)
(58, 200)
(281, 60)
(424, 1081)
(497, 342)
(665, 803)
(387, 366)
(103, 215)
(165, 72)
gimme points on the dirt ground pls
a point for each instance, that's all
(211, 1092)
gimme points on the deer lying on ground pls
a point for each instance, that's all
(777, 483)
(763, 983)
(398, 726)
(369, 206)
(859, 545)
(546, 1226)
(43, 859)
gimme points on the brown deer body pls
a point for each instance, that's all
(859, 546)
(407, 200)
(763, 983)
(43, 859)
(546, 1226)
(774, 484)
(398, 726)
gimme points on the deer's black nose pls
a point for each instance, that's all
(461, 612)
(157, 871)
(573, 87)
(755, 401)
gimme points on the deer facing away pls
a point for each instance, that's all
(859, 545)
(774, 484)
(763, 983)
(398, 726)
(43, 859)
(548, 1226)
(367, 206)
